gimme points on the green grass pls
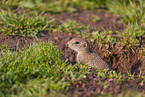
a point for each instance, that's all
(39, 69)
(54, 6)
(131, 36)
(73, 27)
(132, 11)
(36, 71)
(131, 94)
(4, 47)
(23, 25)
(133, 14)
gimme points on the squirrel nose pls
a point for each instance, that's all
(67, 43)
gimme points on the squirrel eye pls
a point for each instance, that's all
(77, 42)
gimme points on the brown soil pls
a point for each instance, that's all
(120, 59)
(93, 85)
(14, 42)
(123, 60)
(107, 20)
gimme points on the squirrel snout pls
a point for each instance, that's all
(67, 43)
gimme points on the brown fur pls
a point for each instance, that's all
(85, 55)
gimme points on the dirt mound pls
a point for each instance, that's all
(121, 59)
(15, 42)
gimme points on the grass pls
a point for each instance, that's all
(72, 27)
(95, 18)
(39, 69)
(132, 11)
(23, 25)
(131, 94)
(131, 36)
(55, 6)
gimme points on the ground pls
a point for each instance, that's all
(120, 59)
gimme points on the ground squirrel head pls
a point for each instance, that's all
(79, 45)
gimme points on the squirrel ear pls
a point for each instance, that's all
(85, 45)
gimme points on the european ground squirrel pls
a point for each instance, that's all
(85, 55)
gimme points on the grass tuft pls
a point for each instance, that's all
(132, 11)
(37, 70)
(23, 25)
